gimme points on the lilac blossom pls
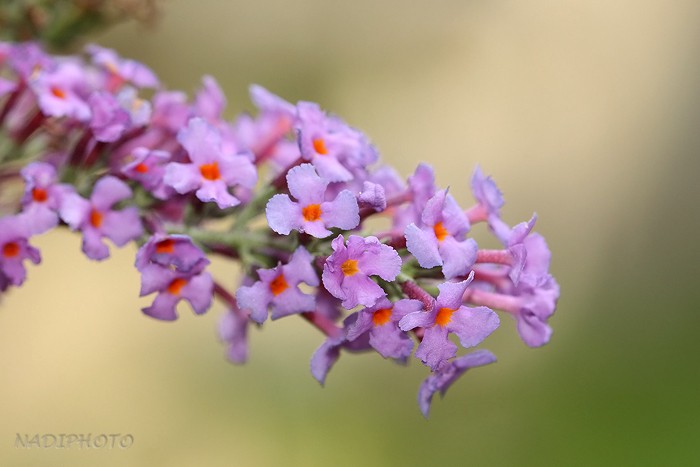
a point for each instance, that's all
(488, 197)
(147, 167)
(387, 177)
(174, 252)
(312, 213)
(531, 307)
(109, 120)
(267, 134)
(327, 305)
(6, 86)
(173, 266)
(210, 101)
(139, 110)
(61, 92)
(27, 58)
(328, 353)
(121, 70)
(441, 380)
(537, 306)
(421, 188)
(173, 286)
(96, 219)
(80, 126)
(269, 103)
(42, 196)
(372, 196)
(233, 330)
(170, 110)
(529, 251)
(266, 137)
(212, 171)
(346, 273)
(440, 238)
(15, 249)
(448, 315)
(381, 323)
(330, 145)
(278, 288)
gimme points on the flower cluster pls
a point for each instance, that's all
(286, 193)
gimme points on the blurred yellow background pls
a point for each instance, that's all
(584, 111)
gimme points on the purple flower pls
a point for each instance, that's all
(441, 380)
(6, 87)
(270, 103)
(121, 70)
(279, 288)
(387, 177)
(139, 110)
(536, 308)
(332, 147)
(488, 196)
(233, 330)
(421, 186)
(212, 170)
(328, 353)
(372, 196)
(470, 325)
(530, 306)
(60, 92)
(147, 167)
(440, 239)
(42, 196)
(381, 322)
(170, 110)
(311, 214)
(210, 101)
(109, 120)
(173, 286)
(27, 58)
(174, 267)
(15, 248)
(175, 252)
(529, 252)
(346, 273)
(96, 219)
(266, 135)
(327, 305)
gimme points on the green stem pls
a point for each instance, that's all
(253, 209)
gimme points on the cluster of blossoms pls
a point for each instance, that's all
(286, 193)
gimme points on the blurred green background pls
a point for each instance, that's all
(584, 111)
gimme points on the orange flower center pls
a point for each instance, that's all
(440, 231)
(210, 171)
(278, 285)
(39, 195)
(312, 212)
(141, 168)
(444, 316)
(112, 68)
(95, 218)
(349, 267)
(165, 246)
(10, 250)
(58, 92)
(136, 104)
(320, 146)
(381, 317)
(176, 286)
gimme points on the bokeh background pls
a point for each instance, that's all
(584, 111)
